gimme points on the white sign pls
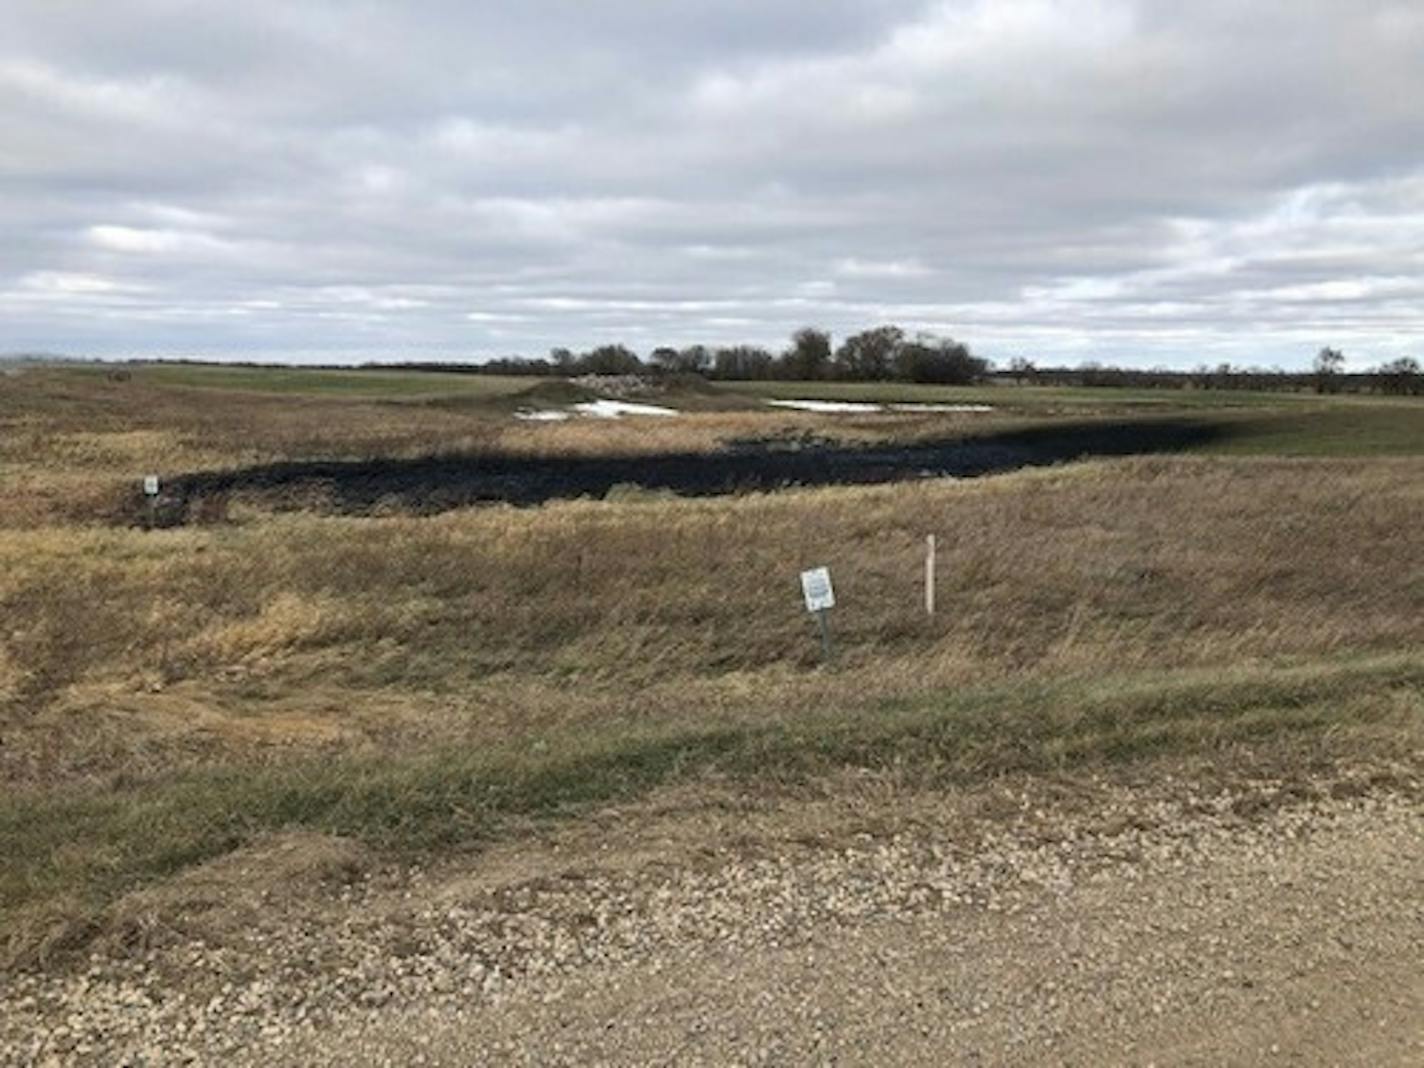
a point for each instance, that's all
(816, 586)
(150, 485)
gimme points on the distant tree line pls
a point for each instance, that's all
(882, 354)
(1400, 377)
(888, 354)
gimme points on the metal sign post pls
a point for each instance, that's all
(820, 599)
(150, 491)
(824, 623)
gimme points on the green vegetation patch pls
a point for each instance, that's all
(1250, 423)
(1027, 398)
(1381, 428)
(92, 846)
(333, 381)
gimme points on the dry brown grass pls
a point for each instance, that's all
(203, 644)
(74, 445)
(166, 696)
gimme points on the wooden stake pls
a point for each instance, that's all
(930, 575)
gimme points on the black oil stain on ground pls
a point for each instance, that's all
(430, 485)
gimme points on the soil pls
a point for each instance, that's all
(435, 484)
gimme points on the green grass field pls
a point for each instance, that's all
(1025, 397)
(1377, 428)
(366, 383)
(1254, 423)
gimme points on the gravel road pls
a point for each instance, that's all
(1166, 929)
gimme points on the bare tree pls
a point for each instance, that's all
(1328, 365)
(1022, 368)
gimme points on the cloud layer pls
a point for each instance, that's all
(1143, 182)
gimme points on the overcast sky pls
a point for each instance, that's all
(1140, 182)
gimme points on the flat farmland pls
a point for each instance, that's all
(366, 382)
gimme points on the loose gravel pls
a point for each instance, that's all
(1163, 928)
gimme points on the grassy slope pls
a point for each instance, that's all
(77, 851)
(163, 697)
(457, 673)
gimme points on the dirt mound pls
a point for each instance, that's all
(233, 893)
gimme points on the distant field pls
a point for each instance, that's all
(1378, 428)
(73, 441)
(1014, 396)
(1253, 423)
(341, 382)
(1297, 424)
(397, 384)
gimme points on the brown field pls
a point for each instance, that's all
(211, 685)
(73, 444)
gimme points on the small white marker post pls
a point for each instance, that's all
(929, 574)
(820, 599)
(150, 491)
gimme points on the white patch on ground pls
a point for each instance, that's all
(862, 407)
(599, 409)
(827, 407)
(942, 407)
(612, 409)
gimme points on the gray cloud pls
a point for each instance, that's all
(1148, 182)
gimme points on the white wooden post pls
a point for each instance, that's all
(150, 494)
(930, 575)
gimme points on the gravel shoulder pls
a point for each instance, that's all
(1140, 925)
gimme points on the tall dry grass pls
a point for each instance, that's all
(73, 445)
(168, 695)
(124, 651)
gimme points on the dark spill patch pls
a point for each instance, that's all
(435, 484)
